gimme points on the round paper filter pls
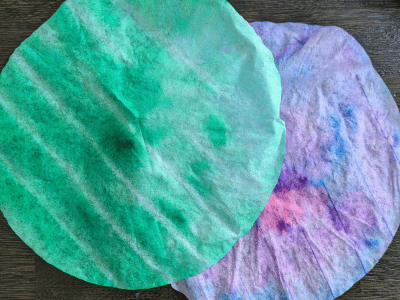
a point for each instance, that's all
(336, 206)
(125, 133)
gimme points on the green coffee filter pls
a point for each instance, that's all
(139, 140)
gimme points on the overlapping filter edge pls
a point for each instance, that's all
(336, 206)
(79, 250)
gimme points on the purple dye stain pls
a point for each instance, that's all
(303, 41)
(338, 222)
(282, 226)
(290, 179)
(334, 215)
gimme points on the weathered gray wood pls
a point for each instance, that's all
(17, 266)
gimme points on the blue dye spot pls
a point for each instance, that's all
(317, 184)
(371, 243)
(340, 150)
(235, 296)
(334, 123)
(396, 139)
(347, 112)
(271, 291)
(137, 295)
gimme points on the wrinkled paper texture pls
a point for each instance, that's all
(336, 206)
(125, 129)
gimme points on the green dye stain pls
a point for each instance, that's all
(199, 181)
(172, 213)
(201, 186)
(125, 149)
(200, 166)
(216, 131)
(123, 144)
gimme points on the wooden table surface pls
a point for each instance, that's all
(376, 26)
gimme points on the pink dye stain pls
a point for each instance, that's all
(287, 201)
(282, 210)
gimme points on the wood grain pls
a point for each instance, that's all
(374, 24)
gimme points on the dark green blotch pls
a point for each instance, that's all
(127, 146)
(124, 148)
(201, 186)
(172, 213)
(199, 181)
(216, 131)
(200, 166)
(123, 144)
